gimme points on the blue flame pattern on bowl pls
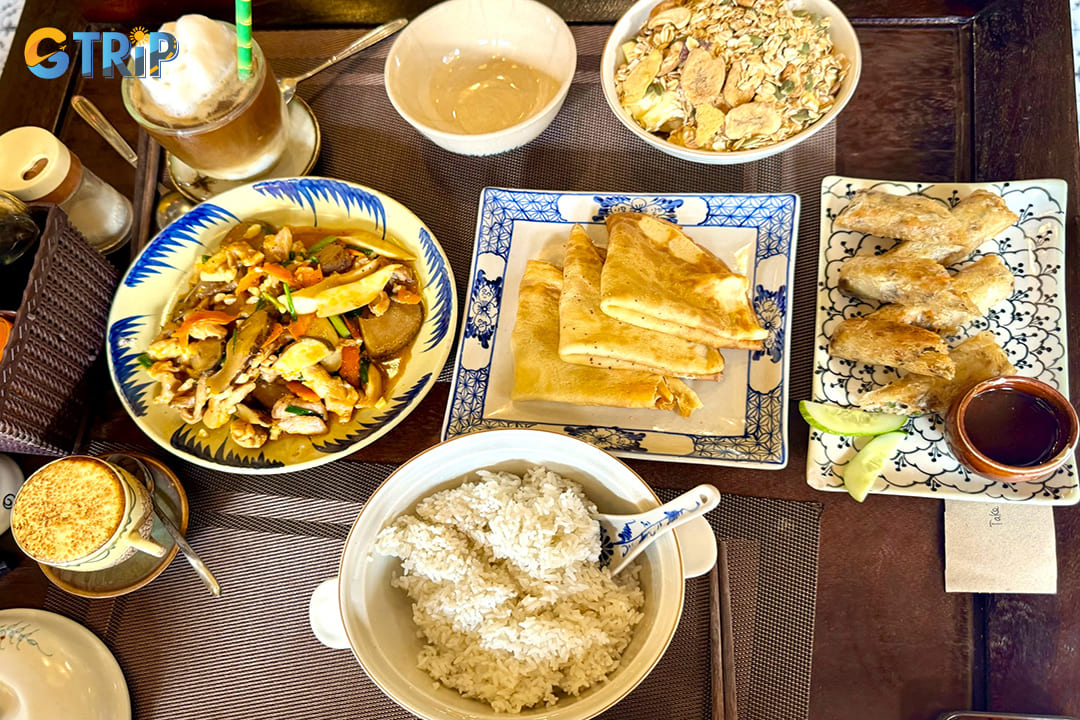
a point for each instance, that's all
(162, 268)
(506, 219)
(1029, 326)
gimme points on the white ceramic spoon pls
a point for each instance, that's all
(623, 537)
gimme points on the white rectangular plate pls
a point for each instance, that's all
(744, 418)
(1030, 326)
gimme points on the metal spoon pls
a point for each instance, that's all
(288, 85)
(628, 535)
(148, 480)
(171, 204)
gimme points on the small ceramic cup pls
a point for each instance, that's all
(1023, 434)
(84, 514)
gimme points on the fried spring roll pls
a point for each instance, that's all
(985, 282)
(907, 217)
(982, 285)
(881, 342)
(976, 359)
(891, 279)
(981, 215)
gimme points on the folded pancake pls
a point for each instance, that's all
(539, 373)
(882, 342)
(657, 278)
(976, 359)
(982, 215)
(907, 217)
(589, 337)
(984, 284)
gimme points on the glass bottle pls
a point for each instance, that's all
(36, 167)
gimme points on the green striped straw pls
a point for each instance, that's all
(243, 38)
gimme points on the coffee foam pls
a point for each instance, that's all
(202, 77)
(68, 509)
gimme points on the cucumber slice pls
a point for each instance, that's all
(849, 421)
(863, 470)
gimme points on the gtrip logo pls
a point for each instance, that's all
(47, 53)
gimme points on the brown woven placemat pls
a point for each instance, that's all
(271, 540)
(585, 149)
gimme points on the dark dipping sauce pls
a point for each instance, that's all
(1014, 428)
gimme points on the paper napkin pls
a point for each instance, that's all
(999, 548)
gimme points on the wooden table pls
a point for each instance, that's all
(951, 90)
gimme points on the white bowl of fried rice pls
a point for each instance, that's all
(729, 81)
(389, 633)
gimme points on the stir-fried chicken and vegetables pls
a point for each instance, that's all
(287, 330)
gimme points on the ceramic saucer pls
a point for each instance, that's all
(140, 568)
(53, 667)
(301, 152)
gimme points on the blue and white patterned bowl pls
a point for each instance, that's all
(161, 271)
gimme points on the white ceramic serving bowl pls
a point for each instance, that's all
(844, 40)
(521, 30)
(160, 272)
(53, 667)
(377, 618)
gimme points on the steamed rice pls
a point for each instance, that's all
(507, 593)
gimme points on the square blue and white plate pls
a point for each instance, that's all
(1030, 326)
(744, 418)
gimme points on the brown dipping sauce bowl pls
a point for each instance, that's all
(1012, 429)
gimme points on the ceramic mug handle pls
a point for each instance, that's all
(145, 545)
(324, 615)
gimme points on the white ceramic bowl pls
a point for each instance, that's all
(53, 667)
(844, 40)
(377, 617)
(521, 30)
(161, 271)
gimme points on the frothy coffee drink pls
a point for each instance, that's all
(202, 112)
(68, 510)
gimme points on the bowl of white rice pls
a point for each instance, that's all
(469, 587)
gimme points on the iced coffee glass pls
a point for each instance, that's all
(203, 113)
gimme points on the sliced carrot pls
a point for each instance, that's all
(213, 317)
(406, 296)
(250, 280)
(299, 327)
(275, 332)
(350, 365)
(302, 391)
(353, 325)
(277, 271)
(307, 276)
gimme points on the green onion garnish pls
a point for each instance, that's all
(274, 301)
(205, 258)
(289, 302)
(339, 325)
(260, 304)
(145, 361)
(300, 411)
(321, 244)
(364, 371)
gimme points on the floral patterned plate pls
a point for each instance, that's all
(744, 418)
(1030, 326)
